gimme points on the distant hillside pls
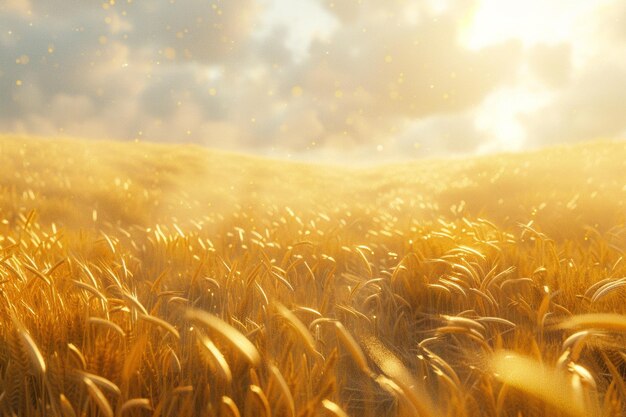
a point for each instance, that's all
(85, 184)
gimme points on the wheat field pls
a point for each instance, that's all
(150, 280)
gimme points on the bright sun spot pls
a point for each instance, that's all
(531, 21)
(500, 114)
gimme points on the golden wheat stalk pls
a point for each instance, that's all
(258, 397)
(29, 345)
(134, 403)
(228, 407)
(161, 323)
(91, 289)
(98, 397)
(300, 329)
(134, 301)
(604, 288)
(392, 367)
(217, 358)
(79, 358)
(353, 348)
(108, 324)
(603, 321)
(236, 339)
(38, 274)
(334, 408)
(277, 376)
(101, 381)
(67, 410)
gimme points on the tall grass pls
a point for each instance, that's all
(210, 284)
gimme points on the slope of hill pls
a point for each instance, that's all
(142, 279)
(66, 181)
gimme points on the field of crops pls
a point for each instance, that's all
(150, 280)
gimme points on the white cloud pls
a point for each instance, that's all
(298, 22)
(591, 107)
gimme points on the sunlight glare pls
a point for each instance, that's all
(532, 21)
(500, 116)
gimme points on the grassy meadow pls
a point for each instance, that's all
(140, 279)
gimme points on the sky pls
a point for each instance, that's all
(317, 79)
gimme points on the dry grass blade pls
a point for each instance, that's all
(91, 289)
(77, 355)
(465, 322)
(391, 366)
(486, 284)
(228, 407)
(161, 323)
(353, 347)
(133, 359)
(135, 403)
(107, 323)
(98, 398)
(575, 342)
(256, 395)
(608, 288)
(604, 321)
(368, 267)
(33, 352)
(284, 389)
(550, 385)
(216, 357)
(617, 376)
(29, 345)
(37, 274)
(135, 303)
(237, 340)
(184, 389)
(66, 407)
(498, 320)
(582, 376)
(298, 326)
(101, 381)
(53, 268)
(334, 409)
(398, 393)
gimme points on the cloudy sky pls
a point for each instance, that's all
(317, 78)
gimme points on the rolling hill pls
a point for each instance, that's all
(142, 184)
